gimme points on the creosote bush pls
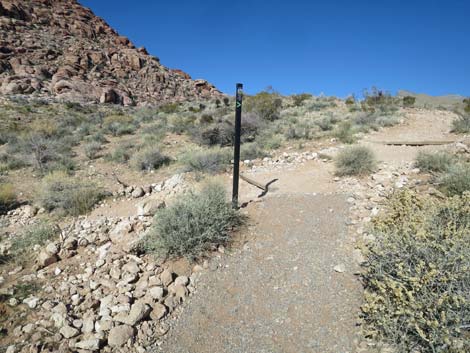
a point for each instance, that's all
(434, 162)
(355, 160)
(193, 225)
(417, 275)
(66, 195)
(148, 159)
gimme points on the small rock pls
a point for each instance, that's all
(119, 335)
(138, 192)
(340, 268)
(156, 293)
(45, 259)
(167, 277)
(158, 312)
(182, 280)
(68, 332)
(32, 302)
(92, 344)
(138, 312)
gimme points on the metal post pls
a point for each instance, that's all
(236, 150)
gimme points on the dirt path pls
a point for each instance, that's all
(281, 294)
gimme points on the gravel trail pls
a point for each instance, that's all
(281, 292)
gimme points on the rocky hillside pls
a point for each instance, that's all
(58, 48)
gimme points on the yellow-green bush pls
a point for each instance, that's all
(417, 275)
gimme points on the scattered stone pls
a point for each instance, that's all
(68, 332)
(119, 335)
(167, 277)
(32, 302)
(340, 268)
(92, 344)
(138, 312)
(138, 192)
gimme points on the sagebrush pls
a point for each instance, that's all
(355, 160)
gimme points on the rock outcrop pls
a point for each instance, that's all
(60, 49)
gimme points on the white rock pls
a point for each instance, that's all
(32, 302)
(92, 344)
(156, 293)
(182, 280)
(68, 332)
(340, 268)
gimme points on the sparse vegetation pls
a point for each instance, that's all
(7, 197)
(193, 225)
(92, 149)
(435, 162)
(417, 276)
(345, 133)
(209, 161)
(150, 158)
(461, 125)
(355, 160)
(66, 195)
(37, 234)
(456, 180)
(409, 101)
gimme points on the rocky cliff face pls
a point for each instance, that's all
(60, 49)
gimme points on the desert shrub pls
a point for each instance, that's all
(355, 160)
(121, 154)
(344, 132)
(434, 162)
(252, 151)
(326, 123)
(10, 162)
(297, 132)
(180, 124)
(266, 104)
(226, 101)
(194, 224)
(92, 149)
(299, 99)
(118, 125)
(207, 161)
(269, 141)
(351, 100)
(456, 180)
(37, 234)
(221, 134)
(409, 101)
(149, 158)
(66, 195)
(206, 119)
(169, 108)
(461, 124)
(378, 100)
(466, 103)
(7, 197)
(417, 275)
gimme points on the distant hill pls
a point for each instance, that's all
(58, 48)
(450, 101)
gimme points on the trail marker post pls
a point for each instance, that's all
(236, 149)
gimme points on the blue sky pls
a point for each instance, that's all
(335, 47)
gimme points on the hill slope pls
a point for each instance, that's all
(59, 48)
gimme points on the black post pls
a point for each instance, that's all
(236, 150)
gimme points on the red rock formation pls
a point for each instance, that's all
(59, 48)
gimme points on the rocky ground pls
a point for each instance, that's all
(90, 291)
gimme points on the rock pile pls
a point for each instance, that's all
(61, 49)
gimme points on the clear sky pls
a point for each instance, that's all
(335, 47)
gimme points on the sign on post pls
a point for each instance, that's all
(236, 149)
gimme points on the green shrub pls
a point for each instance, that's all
(7, 197)
(92, 149)
(208, 161)
(37, 234)
(456, 180)
(10, 162)
(345, 133)
(355, 160)
(461, 125)
(326, 123)
(66, 195)
(299, 99)
(266, 104)
(434, 162)
(194, 224)
(149, 159)
(269, 142)
(169, 108)
(409, 101)
(417, 275)
(119, 125)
